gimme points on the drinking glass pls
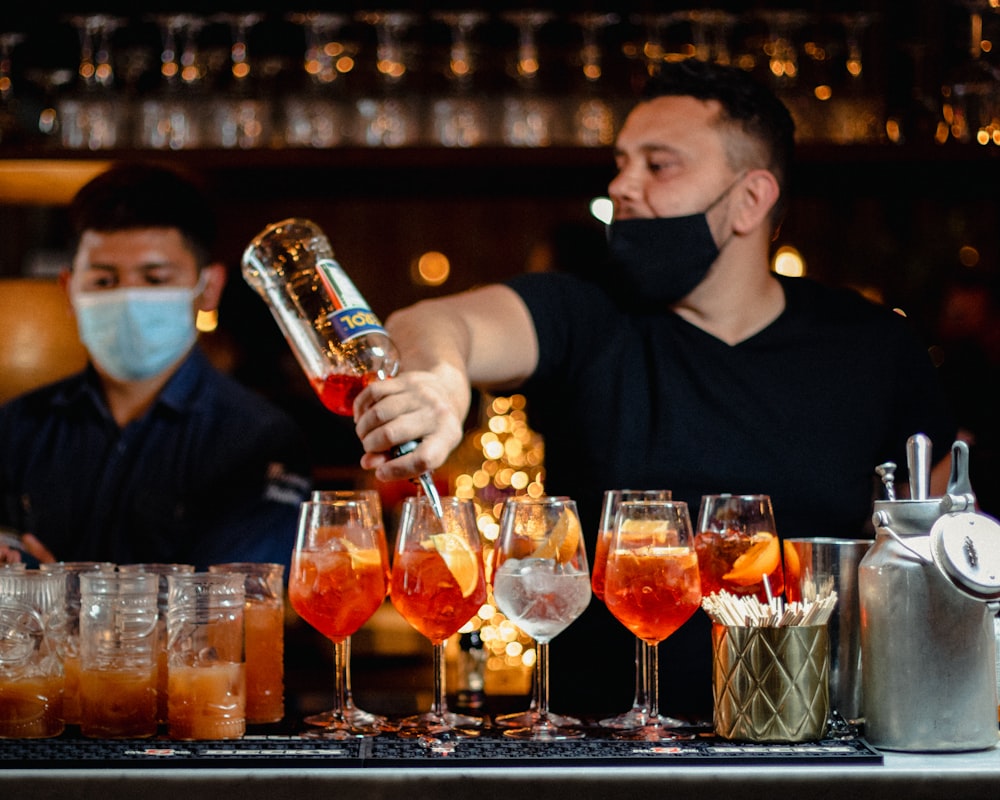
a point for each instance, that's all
(92, 117)
(438, 584)
(638, 715)
(161, 571)
(337, 581)
(69, 642)
(264, 615)
(528, 116)
(206, 669)
(652, 587)
(351, 711)
(460, 117)
(594, 115)
(118, 654)
(320, 115)
(388, 117)
(172, 116)
(541, 584)
(738, 548)
(242, 116)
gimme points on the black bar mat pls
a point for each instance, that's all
(490, 749)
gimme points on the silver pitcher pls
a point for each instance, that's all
(929, 589)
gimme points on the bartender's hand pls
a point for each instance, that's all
(412, 406)
(28, 545)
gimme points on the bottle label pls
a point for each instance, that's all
(352, 316)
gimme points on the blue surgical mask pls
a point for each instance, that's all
(136, 333)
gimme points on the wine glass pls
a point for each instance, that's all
(320, 116)
(336, 583)
(438, 584)
(241, 119)
(638, 715)
(374, 503)
(460, 117)
(738, 548)
(171, 118)
(92, 118)
(388, 118)
(541, 584)
(528, 118)
(652, 588)
(594, 117)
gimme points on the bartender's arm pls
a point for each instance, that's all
(483, 337)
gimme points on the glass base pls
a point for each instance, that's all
(544, 732)
(530, 719)
(344, 730)
(434, 725)
(353, 715)
(651, 733)
(638, 717)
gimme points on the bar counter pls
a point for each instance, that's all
(914, 776)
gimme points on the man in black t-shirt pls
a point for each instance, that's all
(690, 367)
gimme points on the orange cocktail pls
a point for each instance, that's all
(732, 560)
(429, 596)
(118, 703)
(265, 660)
(336, 591)
(337, 581)
(31, 707)
(653, 590)
(71, 689)
(207, 702)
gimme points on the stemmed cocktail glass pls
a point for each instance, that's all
(738, 548)
(371, 498)
(652, 588)
(541, 584)
(336, 583)
(438, 584)
(638, 715)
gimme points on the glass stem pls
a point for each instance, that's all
(542, 681)
(440, 706)
(640, 703)
(347, 672)
(340, 659)
(653, 682)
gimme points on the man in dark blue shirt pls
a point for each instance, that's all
(150, 454)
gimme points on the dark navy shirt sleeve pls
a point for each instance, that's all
(211, 473)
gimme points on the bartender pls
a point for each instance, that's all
(150, 454)
(686, 365)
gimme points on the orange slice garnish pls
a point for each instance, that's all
(761, 559)
(564, 540)
(460, 559)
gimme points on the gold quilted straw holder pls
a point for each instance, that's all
(770, 680)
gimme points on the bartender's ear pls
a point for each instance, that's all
(213, 281)
(759, 191)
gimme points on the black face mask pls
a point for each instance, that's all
(663, 259)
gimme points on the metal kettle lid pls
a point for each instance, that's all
(966, 546)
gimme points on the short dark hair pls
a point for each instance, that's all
(140, 195)
(753, 107)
